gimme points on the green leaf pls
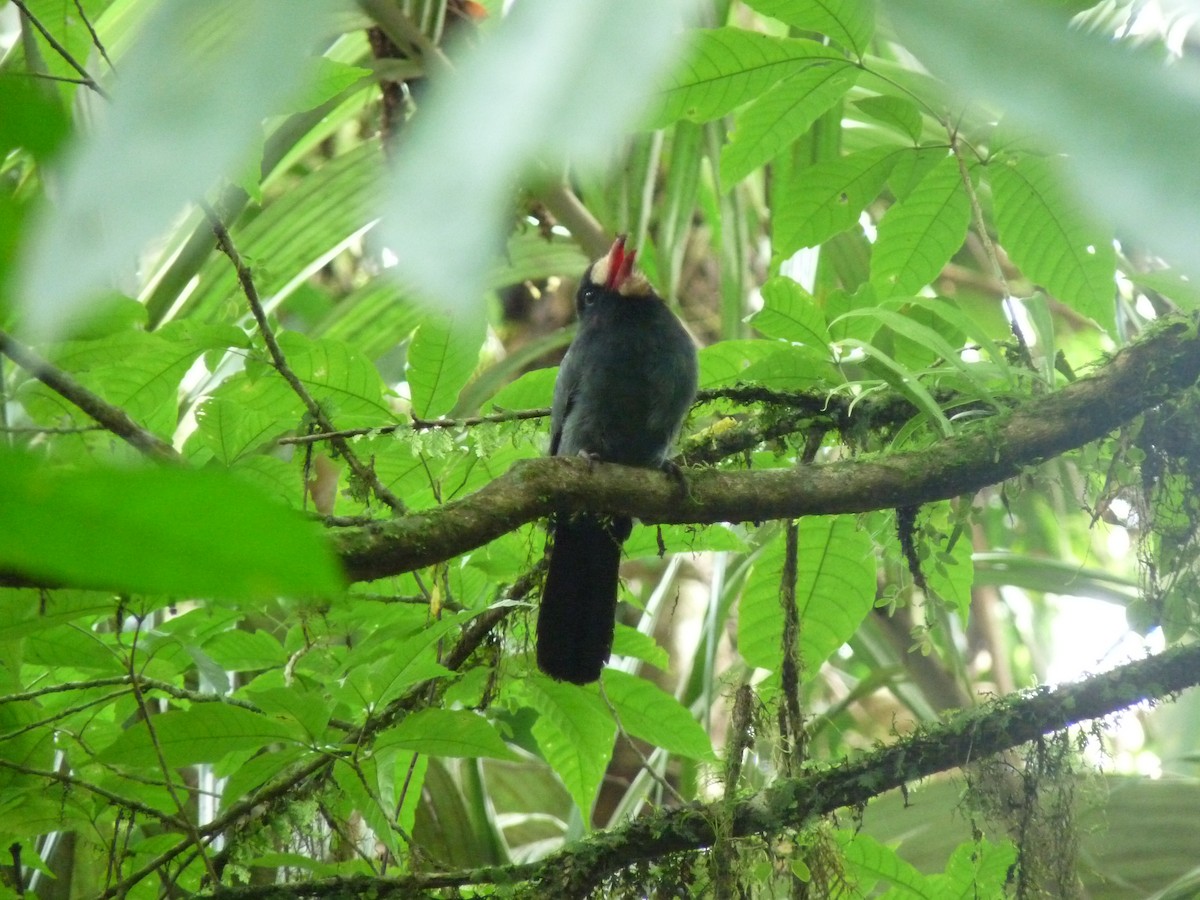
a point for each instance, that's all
(835, 590)
(781, 115)
(410, 661)
(1076, 88)
(245, 413)
(951, 574)
(793, 369)
(357, 783)
(327, 79)
(898, 112)
(871, 860)
(345, 384)
(1046, 232)
(530, 391)
(903, 380)
(237, 650)
(32, 120)
(848, 22)
(195, 533)
(725, 362)
(575, 734)
(927, 339)
(790, 313)
(631, 642)
(204, 733)
(977, 869)
(726, 67)
(446, 732)
(830, 196)
(441, 358)
(919, 234)
(648, 712)
(137, 371)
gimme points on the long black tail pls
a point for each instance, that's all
(579, 603)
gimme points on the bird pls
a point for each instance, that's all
(622, 392)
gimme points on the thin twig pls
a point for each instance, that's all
(96, 42)
(189, 826)
(993, 257)
(279, 361)
(569, 210)
(113, 418)
(114, 799)
(642, 758)
(422, 425)
(46, 76)
(33, 429)
(60, 49)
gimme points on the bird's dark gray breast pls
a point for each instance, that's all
(626, 383)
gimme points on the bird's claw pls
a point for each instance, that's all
(673, 471)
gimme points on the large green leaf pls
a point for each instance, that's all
(648, 712)
(137, 371)
(446, 732)
(920, 233)
(835, 589)
(830, 196)
(898, 112)
(575, 733)
(203, 733)
(781, 115)
(725, 363)
(1120, 112)
(194, 533)
(789, 313)
(244, 414)
(343, 382)
(848, 22)
(443, 354)
(869, 861)
(1046, 232)
(726, 67)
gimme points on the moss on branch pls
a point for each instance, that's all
(985, 452)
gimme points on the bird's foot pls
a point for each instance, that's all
(592, 458)
(672, 470)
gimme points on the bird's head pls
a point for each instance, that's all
(615, 273)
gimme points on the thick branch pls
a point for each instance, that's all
(986, 452)
(793, 802)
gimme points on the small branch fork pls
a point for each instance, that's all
(85, 77)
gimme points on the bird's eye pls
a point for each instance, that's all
(590, 293)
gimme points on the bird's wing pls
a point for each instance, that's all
(565, 389)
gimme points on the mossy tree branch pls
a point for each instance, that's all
(792, 802)
(988, 451)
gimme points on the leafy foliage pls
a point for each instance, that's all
(204, 439)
